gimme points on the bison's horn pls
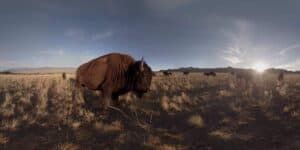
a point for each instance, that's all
(142, 64)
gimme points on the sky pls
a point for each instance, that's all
(168, 33)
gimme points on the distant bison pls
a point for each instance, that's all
(167, 73)
(64, 76)
(211, 73)
(186, 73)
(115, 74)
(280, 76)
(245, 75)
(244, 78)
(153, 74)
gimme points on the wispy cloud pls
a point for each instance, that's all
(294, 65)
(165, 5)
(232, 59)
(81, 34)
(239, 41)
(55, 52)
(7, 63)
(75, 33)
(290, 48)
(103, 35)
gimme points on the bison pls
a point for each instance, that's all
(244, 75)
(167, 73)
(153, 74)
(186, 73)
(245, 79)
(280, 76)
(115, 74)
(211, 73)
(64, 76)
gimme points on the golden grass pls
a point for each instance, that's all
(175, 105)
(222, 134)
(3, 139)
(67, 146)
(112, 127)
(197, 121)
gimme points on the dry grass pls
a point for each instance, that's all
(67, 146)
(3, 139)
(196, 121)
(112, 127)
(221, 134)
(180, 112)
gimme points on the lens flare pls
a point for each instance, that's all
(260, 67)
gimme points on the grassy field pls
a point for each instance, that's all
(180, 112)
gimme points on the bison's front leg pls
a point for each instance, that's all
(115, 99)
(106, 102)
(106, 98)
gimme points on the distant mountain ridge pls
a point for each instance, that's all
(181, 69)
(41, 70)
(225, 70)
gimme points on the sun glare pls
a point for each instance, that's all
(260, 67)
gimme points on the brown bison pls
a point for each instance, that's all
(186, 73)
(115, 74)
(167, 73)
(64, 76)
(244, 75)
(280, 76)
(211, 73)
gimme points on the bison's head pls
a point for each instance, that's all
(141, 75)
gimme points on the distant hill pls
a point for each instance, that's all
(41, 70)
(225, 70)
(182, 69)
(195, 69)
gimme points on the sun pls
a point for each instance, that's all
(260, 67)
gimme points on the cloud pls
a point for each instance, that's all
(103, 35)
(7, 63)
(233, 59)
(290, 48)
(81, 34)
(295, 65)
(233, 51)
(58, 52)
(75, 33)
(165, 5)
(239, 42)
